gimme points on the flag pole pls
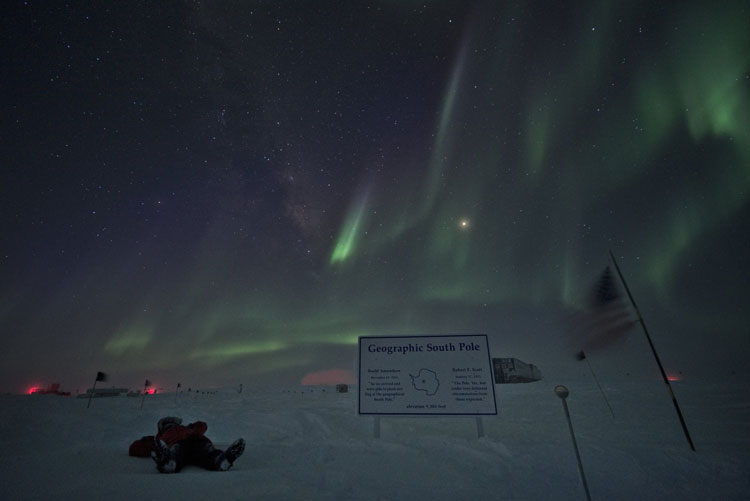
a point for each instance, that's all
(100, 376)
(93, 390)
(145, 387)
(582, 356)
(656, 356)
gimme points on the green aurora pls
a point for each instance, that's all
(553, 136)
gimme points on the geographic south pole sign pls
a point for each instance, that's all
(426, 375)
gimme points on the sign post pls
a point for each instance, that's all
(426, 375)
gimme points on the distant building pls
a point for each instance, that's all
(512, 370)
(103, 392)
(342, 388)
(52, 389)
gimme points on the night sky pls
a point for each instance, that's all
(221, 192)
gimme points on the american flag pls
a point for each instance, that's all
(607, 319)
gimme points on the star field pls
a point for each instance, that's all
(215, 192)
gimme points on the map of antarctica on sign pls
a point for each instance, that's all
(426, 380)
(443, 375)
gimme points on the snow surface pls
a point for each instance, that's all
(309, 443)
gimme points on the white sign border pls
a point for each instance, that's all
(423, 414)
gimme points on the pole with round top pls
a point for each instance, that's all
(562, 392)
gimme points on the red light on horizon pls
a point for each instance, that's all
(674, 377)
(328, 377)
(151, 391)
(33, 390)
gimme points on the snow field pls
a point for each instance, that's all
(307, 443)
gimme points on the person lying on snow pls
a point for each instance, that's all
(176, 445)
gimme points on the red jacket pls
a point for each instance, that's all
(176, 433)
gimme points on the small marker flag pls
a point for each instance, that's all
(100, 376)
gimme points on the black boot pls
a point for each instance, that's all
(164, 457)
(226, 459)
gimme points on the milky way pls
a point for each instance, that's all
(208, 194)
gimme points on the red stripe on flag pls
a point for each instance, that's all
(607, 321)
